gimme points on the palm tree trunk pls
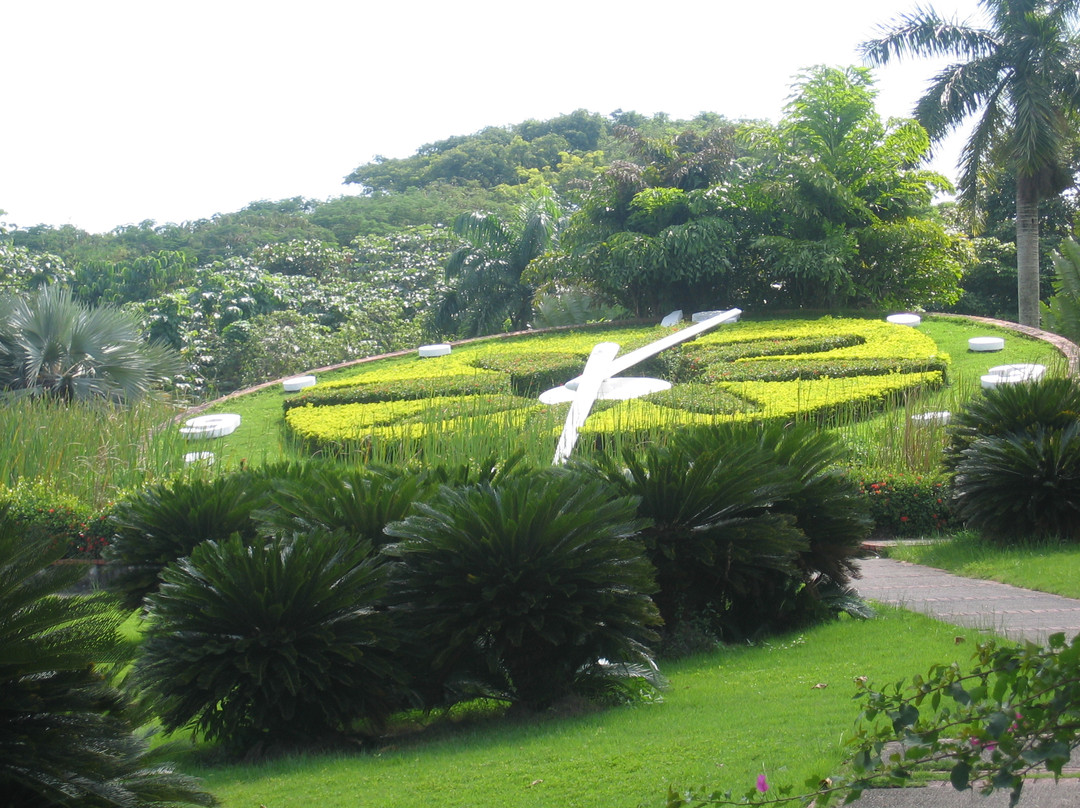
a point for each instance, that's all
(1027, 250)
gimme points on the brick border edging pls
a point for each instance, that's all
(1068, 349)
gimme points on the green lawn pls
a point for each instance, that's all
(1046, 567)
(727, 717)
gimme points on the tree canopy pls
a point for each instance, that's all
(1020, 75)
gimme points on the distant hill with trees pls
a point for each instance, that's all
(830, 208)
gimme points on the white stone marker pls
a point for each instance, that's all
(1011, 374)
(904, 319)
(297, 383)
(986, 344)
(428, 351)
(210, 426)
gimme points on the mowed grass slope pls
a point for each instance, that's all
(783, 707)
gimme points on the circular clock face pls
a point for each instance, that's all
(511, 389)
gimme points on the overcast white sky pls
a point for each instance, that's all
(117, 111)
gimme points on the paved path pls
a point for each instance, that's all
(1007, 610)
(1018, 614)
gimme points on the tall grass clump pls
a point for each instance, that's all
(90, 450)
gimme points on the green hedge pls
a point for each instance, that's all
(786, 370)
(468, 384)
(41, 514)
(688, 363)
(908, 505)
(533, 372)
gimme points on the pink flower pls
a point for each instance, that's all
(762, 783)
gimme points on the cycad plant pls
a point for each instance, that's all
(164, 522)
(1015, 457)
(531, 584)
(1051, 402)
(753, 527)
(66, 732)
(723, 553)
(827, 506)
(281, 643)
(1023, 484)
(52, 344)
(359, 501)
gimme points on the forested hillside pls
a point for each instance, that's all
(578, 217)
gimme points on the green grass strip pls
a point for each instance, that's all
(1045, 567)
(727, 717)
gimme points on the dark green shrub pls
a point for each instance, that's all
(162, 523)
(779, 370)
(533, 372)
(753, 526)
(718, 545)
(472, 384)
(1051, 402)
(704, 398)
(1015, 456)
(275, 643)
(826, 504)
(66, 733)
(908, 505)
(688, 363)
(359, 502)
(1022, 485)
(528, 584)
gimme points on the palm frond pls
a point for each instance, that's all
(925, 33)
(958, 91)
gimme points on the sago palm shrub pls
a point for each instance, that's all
(1022, 485)
(1052, 402)
(66, 732)
(271, 644)
(535, 585)
(1014, 454)
(360, 501)
(826, 504)
(726, 557)
(164, 522)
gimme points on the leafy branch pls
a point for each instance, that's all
(1017, 711)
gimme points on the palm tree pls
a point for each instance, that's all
(52, 344)
(1021, 75)
(489, 290)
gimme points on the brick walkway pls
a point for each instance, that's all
(1018, 614)
(1008, 610)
